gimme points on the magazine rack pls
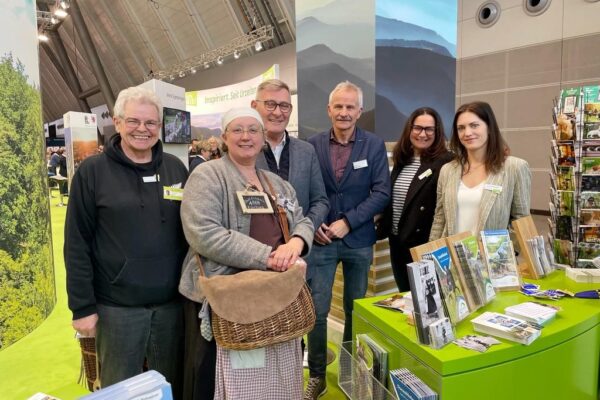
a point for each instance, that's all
(356, 381)
(575, 180)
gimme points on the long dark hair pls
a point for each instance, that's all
(403, 151)
(496, 149)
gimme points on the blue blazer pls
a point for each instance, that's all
(362, 192)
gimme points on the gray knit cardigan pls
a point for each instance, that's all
(216, 228)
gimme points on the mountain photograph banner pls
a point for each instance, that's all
(335, 42)
(415, 62)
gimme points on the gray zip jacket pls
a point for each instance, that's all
(216, 228)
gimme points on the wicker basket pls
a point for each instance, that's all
(88, 362)
(294, 321)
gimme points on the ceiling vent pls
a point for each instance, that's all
(536, 7)
(488, 14)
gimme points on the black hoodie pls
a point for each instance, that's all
(124, 245)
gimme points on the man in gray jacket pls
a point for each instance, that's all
(294, 160)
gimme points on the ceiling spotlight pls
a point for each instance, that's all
(181, 74)
(64, 4)
(171, 77)
(236, 54)
(60, 13)
(193, 70)
(42, 37)
(206, 65)
(258, 46)
(53, 20)
(220, 60)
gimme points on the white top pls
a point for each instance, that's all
(468, 200)
(277, 150)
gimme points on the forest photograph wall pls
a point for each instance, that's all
(27, 290)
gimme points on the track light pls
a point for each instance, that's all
(53, 21)
(42, 37)
(181, 74)
(64, 4)
(253, 40)
(171, 77)
(60, 13)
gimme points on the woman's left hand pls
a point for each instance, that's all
(285, 255)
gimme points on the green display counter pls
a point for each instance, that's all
(563, 363)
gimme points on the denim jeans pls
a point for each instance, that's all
(320, 277)
(127, 335)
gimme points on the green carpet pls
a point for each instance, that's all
(48, 359)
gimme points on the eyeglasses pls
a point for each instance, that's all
(271, 105)
(134, 123)
(251, 130)
(430, 130)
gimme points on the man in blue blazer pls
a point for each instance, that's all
(356, 175)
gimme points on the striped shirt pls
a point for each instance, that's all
(401, 186)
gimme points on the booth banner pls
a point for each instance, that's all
(207, 106)
(415, 62)
(27, 290)
(81, 140)
(335, 42)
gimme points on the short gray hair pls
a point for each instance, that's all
(347, 85)
(272, 84)
(139, 95)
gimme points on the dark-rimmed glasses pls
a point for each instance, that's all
(271, 105)
(430, 130)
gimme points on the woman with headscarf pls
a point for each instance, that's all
(230, 240)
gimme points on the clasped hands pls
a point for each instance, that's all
(286, 255)
(337, 230)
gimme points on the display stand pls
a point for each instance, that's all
(575, 179)
(561, 364)
(525, 229)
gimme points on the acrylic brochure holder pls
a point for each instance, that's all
(356, 379)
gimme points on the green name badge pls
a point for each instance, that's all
(172, 193)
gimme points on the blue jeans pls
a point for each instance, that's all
(320, 277)
(127, 335)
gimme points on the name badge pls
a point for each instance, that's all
(151, 178)
(172, 193)
(360, 164)
(425, 174)
(493, 188)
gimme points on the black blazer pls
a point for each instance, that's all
(419, 205)
(417, 217)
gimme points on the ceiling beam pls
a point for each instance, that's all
(291, 25)
(144, 68)
(116, 60)
(169, 33)
(234, 18)
(92, 54)
(199, 24)
(142, 32)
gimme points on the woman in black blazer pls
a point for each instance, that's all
(418, 157)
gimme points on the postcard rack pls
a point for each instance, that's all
(575, 177)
